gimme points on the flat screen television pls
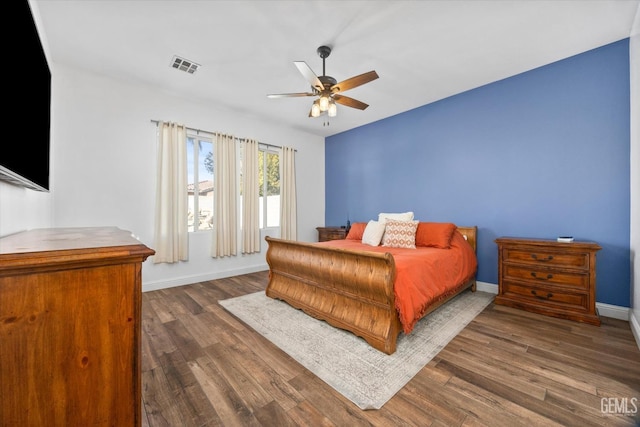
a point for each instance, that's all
(24, 153)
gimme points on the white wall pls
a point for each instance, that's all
(634, 60)
(105, 157)
(22, 209)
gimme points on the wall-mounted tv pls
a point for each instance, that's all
(24, 151)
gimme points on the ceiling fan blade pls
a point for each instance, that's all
(308, 74)
(354, 82)
(350, 102)
(289, 95)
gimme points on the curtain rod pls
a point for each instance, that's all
(213, 133)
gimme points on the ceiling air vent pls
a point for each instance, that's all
(184, 65)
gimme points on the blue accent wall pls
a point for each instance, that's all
(541, 154)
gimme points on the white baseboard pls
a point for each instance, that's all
(606, 310)
(634, 323)
(613, 311)
(187, 280)
(487, 287)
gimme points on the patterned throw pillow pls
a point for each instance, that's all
(400, 234)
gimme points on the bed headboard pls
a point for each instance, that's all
(470, 234)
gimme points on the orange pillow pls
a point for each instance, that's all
(356, 231)
(435, 234)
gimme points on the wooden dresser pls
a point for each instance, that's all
(331, 233)
(70, 302)
(548, 277)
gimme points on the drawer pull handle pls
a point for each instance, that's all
(549, 258)
(549, 276)
(535, 294)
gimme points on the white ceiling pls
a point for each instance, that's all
(423, 51)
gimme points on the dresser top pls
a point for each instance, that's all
(68, 239)
(547, 242)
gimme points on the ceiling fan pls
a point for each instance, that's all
(327, 89)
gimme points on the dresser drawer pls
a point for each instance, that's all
(542, 257)
(542, 275)
(550, 296)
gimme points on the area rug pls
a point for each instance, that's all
(364, 375)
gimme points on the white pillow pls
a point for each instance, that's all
(373, 233)
(406, 216)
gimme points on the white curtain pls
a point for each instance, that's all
(288, 212)
(225, 201)
(170, 234)
(250, 198)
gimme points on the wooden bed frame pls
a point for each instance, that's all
(351, 290)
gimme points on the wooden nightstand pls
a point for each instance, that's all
(331, 233)
(548, 277)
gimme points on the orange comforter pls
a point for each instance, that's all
(424, 275)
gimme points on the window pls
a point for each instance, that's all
(269, 180)
(200, 163)
(200, 182)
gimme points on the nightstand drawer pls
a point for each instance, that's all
(550, 296)
(331, 233)
(541, 275)
(541, 257)
(334, 235)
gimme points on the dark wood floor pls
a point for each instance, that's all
(203, 367)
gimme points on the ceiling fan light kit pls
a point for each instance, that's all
(327, 89)
(332, 110)
(315, 109)
(324, 103)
